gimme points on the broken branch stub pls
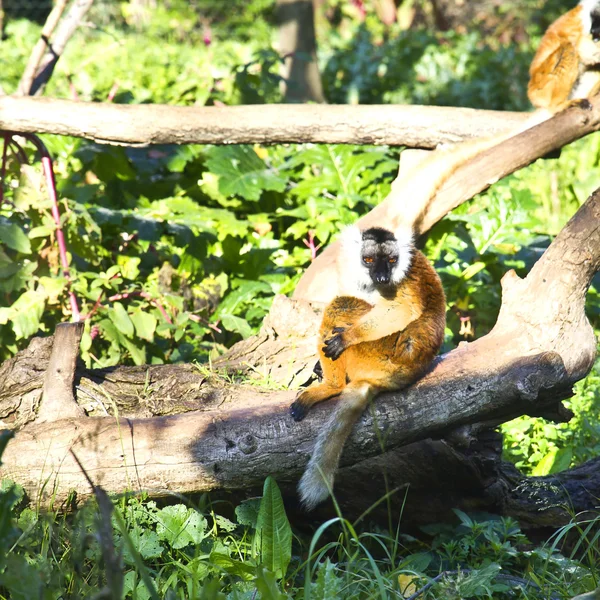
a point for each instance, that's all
(57, 396)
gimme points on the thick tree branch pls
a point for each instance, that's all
(414, 126)
(474, 176)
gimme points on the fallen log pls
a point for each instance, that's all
(143, 124)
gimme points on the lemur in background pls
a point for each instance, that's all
(381, 333)
(566, 65)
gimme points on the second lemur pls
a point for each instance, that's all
(566, 65)
(380, 334)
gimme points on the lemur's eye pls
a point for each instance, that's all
(393, 260)
(368, 260)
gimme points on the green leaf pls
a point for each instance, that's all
(130, 266)
(180, 526)
(138, 353)
(237, 324)
(554, 461)
(13, 236)
(478, 582)
(266, 584)
(146, 542)
(247, 512)
(26, 313)
(273, 539)
(242, 173)
(145, 325)
(328, 585)
(118, 315)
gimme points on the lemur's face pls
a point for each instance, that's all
(379, 255)
(374, 261)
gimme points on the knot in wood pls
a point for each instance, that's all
(528, 388)
(247, 444)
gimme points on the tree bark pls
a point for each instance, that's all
(235, 434)
(298, 46)
(414, 126)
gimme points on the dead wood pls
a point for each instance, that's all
(57, 395)
(413, 126)
(473, 177)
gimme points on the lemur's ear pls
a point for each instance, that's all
(405, 242)
(350, 238)
(404, 236)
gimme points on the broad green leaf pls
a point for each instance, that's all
(137, 351)
(145, 325)
(242, 173)
(554, 461)
(247, 512)
(544, 466)
(237, 325)
(118, 315)
(27, 312)
(266, 584)
(273, 539)
(13, 236)
(130, 266)
(180, 526)
(40, 231)
(328, 585)
(146, 542)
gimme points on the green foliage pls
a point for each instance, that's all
(273, 539)
(176, 551)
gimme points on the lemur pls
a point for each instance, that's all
(381, 333)
(566, 65)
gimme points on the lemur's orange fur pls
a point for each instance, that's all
(565, 66)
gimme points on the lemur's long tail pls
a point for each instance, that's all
(317, 481)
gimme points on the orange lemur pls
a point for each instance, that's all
(566, 65)
(381, 333)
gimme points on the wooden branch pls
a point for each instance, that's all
(44, 68)
(474, 176)
(57, 396)
(414, 126)
(238, 434)
(37, 54)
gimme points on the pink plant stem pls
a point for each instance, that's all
(6, 137)
(112, 92)
(310, 244)
(60, 236)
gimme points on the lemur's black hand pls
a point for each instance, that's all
(335, 345)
